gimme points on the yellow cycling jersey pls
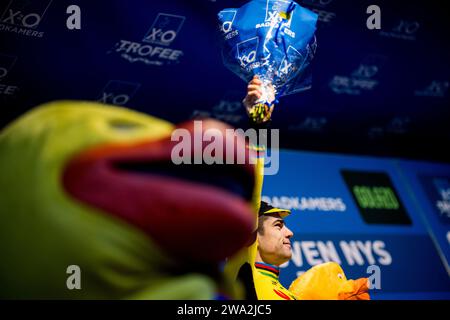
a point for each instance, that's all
(267, 284)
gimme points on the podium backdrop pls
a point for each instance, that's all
(362, 211)
(382, 92)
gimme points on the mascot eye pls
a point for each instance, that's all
(340, 276)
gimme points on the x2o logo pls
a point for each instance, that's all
(118, 92)
(435, 89)
(165, 29)
(407, 27)
(26, 14)
(155, 46)
(247, 50)
(227, 16)
(404, 29)
(23, 17)
(288, 64)
(274, 11)
(365, 71)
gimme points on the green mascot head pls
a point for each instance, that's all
(92, 206)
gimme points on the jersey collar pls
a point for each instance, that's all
(268, 269)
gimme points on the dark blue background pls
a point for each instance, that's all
(405, 56)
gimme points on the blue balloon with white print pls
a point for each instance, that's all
(273, 39)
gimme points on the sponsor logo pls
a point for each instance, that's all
(288, 65)
(435, 89)
(246, 53)
(155, 48)
(164, 29)
(229, 109)
(228, 16)
(6, 64)
(375, 197)
(8, 90)
(397, 125)
(275, 11)
(307, 203)
(23, 17)
(361, 80)
(404, 30)
(311, 124)
(438, 191)
(118, 92)
(352, 252)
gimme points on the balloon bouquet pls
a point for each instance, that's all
(271, 39)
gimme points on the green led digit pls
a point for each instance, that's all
(380, 196)
(363, 197)
(392, 199)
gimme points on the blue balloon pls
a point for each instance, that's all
(273, 39)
